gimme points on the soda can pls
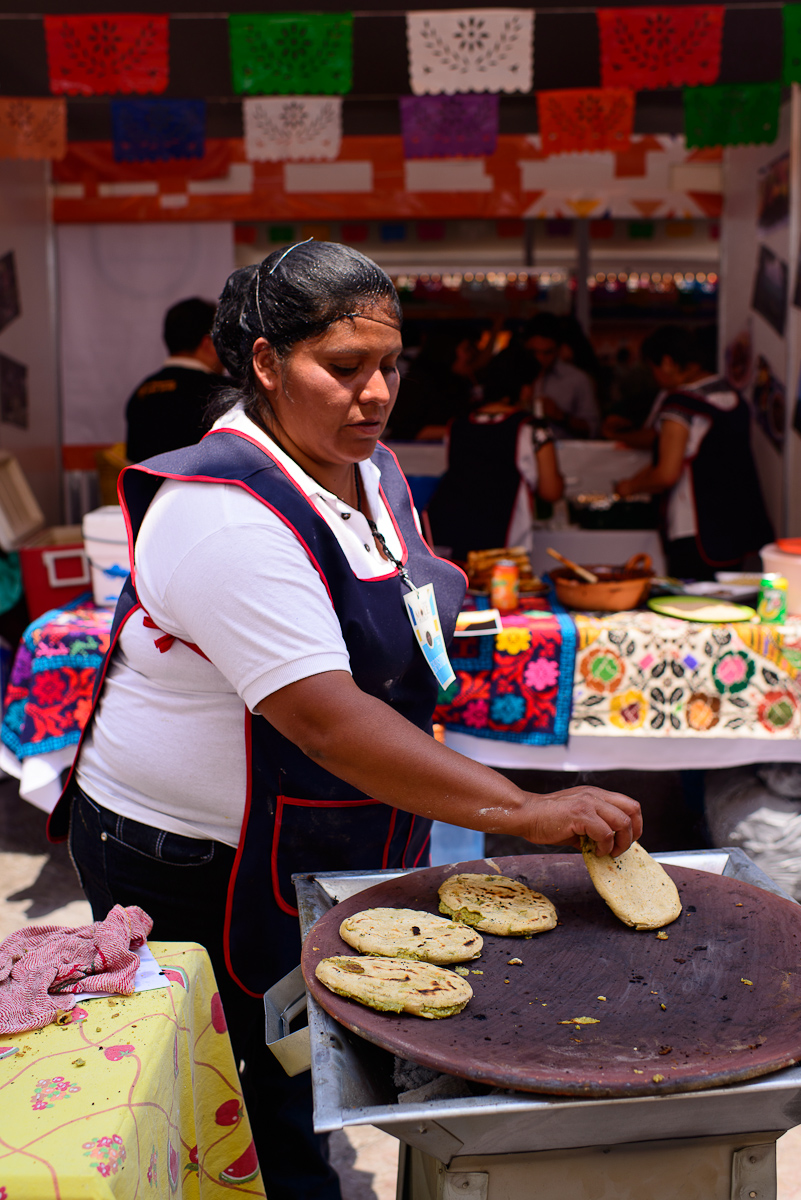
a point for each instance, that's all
(772, 604)
(505, 586)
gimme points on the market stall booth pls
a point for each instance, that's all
(236, 149)
(614, 190)
(153, 174)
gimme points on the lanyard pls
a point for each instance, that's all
(377, 534)
(421, 606)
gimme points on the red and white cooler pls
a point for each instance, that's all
(54, 566)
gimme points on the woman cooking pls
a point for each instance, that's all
(265, 707)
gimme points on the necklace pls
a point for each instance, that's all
(376, 532)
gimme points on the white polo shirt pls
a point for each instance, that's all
(216, 568)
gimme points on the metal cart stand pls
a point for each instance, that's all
(716, 1144)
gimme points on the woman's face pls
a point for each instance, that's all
(332, 395)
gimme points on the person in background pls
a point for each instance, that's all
(167, 409)
(560, 392)
(576, 348)
(512, 368)
(497, 460)
(715, 514)
(634, 395)
(440, 383)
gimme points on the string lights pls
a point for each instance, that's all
(456, 281)
(654, 281)
(523, 281)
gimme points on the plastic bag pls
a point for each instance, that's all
(744, 808)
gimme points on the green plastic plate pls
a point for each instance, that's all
(690, 608)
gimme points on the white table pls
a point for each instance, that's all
(39, 776)
(595, 466)
(622, 754)
(586, 466)
(421, 458)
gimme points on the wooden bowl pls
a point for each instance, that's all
(617, 589)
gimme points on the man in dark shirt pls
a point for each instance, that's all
(166, 410)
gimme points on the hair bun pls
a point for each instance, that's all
(293, 296)
(232, 333)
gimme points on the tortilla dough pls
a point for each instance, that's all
(396, 985)
(635, 886)
(496, 904)
(406, 933)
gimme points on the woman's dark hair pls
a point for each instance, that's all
(544, 325)
(294, 294)
(572, 334)
(670, 341)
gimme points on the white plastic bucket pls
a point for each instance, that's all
(106, 543)
(777, 562)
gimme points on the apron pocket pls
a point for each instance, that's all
(326, 835)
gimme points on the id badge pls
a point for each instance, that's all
(421, 605)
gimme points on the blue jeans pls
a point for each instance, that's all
(182, 884)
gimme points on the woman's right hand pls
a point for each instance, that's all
(612, 820)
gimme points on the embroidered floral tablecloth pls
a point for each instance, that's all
(49, 692)
(138, 1096)
(634, 673)
(640, 674)
(516, 686)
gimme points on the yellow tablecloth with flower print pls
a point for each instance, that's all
(137, 1096)
(640, 674)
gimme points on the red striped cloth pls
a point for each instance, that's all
(42, 966)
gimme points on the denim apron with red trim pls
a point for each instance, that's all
(459, 513)
(299, 817)
(730, 513)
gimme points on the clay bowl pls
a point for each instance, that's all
(617, 589)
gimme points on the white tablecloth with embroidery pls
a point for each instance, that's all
(642, 675)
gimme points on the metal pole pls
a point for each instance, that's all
(528, 242)
(788, 518)
(62, 496)
(582, 273)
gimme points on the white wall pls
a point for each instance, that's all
(30, 338)
(792, 463)
(115, 283)
(740, 243)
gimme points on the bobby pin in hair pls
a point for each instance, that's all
(278, 262)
